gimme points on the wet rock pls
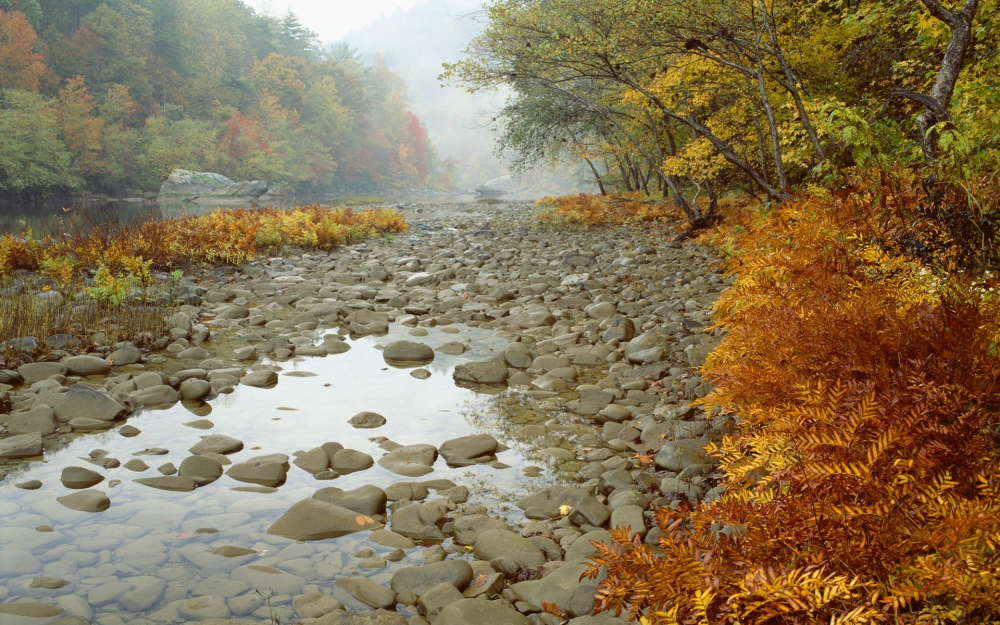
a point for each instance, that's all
(174, 483)
(437, 598)
(676, 455)
(420, 579)
(468, 528)
(21, 446)
(411, 460)
(313, 461)
(311, 519)
(125, 356)
(136, 465)
(202, 608)
(630, 517)
(389, 538)
(367, 420)
(192, 353)
(265, 378)
(518, 355)
(81, 401)
(49, 583)
(147, 591)
(202, 468)
(263, 473)
(398, 352)
(160, 395)
(420, 278)
(29, 610)
(367, 592)
(368, 500)
(29, 485)
(316, 604)
(39, 419)
(500, 543)
(82, 424)
(38, 371)
(232, 551)
(89, 500)
(614, 413)
(79, 477)
(194, 390)
(418, 521)
(129, 431)
(602, 310)
(454, 348)
(420, 374)
(468, 450)
(479, 612)
(217, 444)
(350, 460)
(86, 365)
(488, 372)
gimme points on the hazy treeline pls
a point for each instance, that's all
(695, 99)
(110, 95)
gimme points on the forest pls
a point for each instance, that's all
(109, 96)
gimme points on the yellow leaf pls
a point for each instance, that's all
(363, 520)
(564, 509)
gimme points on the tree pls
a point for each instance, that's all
(32, 158)
(20, 66)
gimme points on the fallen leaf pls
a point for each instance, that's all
(551, 608)
(480, 581)
(364, 520)
(406, 462)
(564, 509)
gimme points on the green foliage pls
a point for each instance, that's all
(32, 158)
(141, 87)
(111, 288)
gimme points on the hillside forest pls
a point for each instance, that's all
(108, 96)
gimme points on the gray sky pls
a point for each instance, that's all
(332, 19)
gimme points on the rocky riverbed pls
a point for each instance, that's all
(427, 428)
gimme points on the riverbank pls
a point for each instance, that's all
(578, 346)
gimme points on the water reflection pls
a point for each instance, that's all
(153, 544)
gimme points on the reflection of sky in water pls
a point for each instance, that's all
(418, 411)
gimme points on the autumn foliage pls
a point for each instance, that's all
(863, 483)
(20, 66)
(587, 209)
(224, 236)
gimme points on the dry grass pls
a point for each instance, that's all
(588, 210)
(33, 309)
(97, 275)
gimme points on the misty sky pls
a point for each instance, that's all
(332, 19)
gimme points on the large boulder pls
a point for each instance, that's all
(83, 401)
(21, 446)
(193, 186)
(312, 519)
(499, 186)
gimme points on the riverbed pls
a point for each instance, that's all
(573, 351)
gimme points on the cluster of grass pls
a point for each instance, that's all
(228, 236)
(588, 210)
(33, 308)
(85, 281)
(863, 482)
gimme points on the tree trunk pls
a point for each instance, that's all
(792, 83)
(960, 23)
(597, 176)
